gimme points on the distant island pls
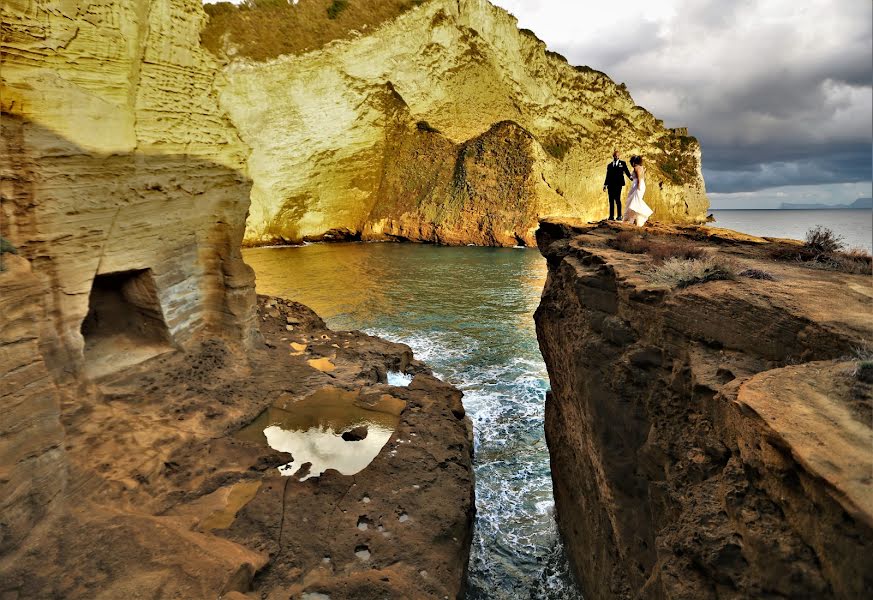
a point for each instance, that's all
(859, 203)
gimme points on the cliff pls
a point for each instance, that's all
(122, 190)
(445, 123)
(711, 440)
(133, 350)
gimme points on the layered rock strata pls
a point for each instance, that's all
(445, 124)
(122, 191)
(712, 441)
(116, 158)
(132, 352)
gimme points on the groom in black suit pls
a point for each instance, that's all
(615, 172)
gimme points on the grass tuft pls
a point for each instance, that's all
(336, 7)
(681, 273)
(7, 246)
(864, 371)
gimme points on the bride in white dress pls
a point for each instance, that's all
(637, 210)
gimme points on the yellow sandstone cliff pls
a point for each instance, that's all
(131, 354)
(445, 124)
(123, 191)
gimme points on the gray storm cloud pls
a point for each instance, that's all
(779, 93)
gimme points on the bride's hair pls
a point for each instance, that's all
(636, 160)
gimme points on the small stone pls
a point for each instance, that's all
(356, 434)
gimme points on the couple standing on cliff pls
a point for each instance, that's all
(637, 210)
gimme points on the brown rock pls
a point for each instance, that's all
(356, 434)
(690, 458)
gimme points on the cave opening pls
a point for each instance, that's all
(125, 324)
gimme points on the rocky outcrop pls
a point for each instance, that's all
(711, 441)
(32, 463)
(117, 159)
(445, 124)
(133, 353)
(168, 497)
(122, 191)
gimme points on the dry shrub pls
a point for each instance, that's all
(680, 272)
(822, 240)
(659, 250)
(855, 260)
(681, 249)
(630, 242)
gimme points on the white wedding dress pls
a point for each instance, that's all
(637, 210)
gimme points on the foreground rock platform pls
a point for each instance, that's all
(164, 500)
(712, 441)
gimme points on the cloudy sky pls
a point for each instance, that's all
(778, 92)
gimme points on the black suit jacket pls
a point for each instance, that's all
(615, 174)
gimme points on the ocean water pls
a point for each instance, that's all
(468, 313)
(854, 225)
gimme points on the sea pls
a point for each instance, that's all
(468, 313)
(855, 226)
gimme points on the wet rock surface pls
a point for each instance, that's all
(164, 499)
(712, 441)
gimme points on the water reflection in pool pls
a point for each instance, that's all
(329, 429)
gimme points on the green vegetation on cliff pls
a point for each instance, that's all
(265, 29)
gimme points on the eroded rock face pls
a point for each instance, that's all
(123, 190)
(116, 158)
(445, 124)
(32, 460)
(132, 352)
(707, 442)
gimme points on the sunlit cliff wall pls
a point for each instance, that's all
(114, 158)
(446, 124)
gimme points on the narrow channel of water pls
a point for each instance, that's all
(468, 313)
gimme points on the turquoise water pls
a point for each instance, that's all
(855, 226)
(468, 313)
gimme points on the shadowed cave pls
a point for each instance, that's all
(125, 324)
